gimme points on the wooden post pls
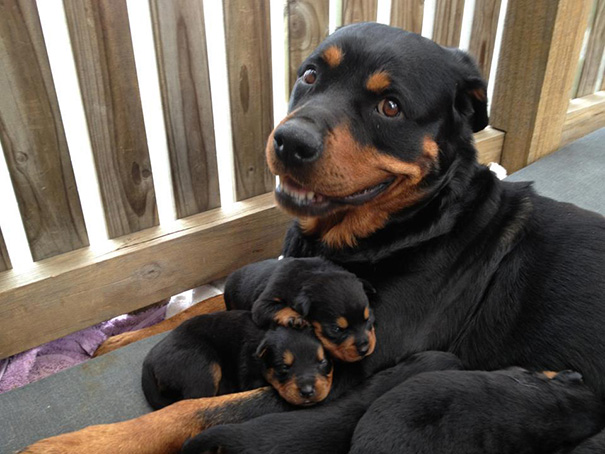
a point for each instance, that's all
(5, 263)
(407, 14)
(540, 50)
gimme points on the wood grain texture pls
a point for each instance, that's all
(489, 144)
(100, 38)
(5, 263)
(359, 11)
(483, 33)
(585, 115)
(530, 101)
(32, 135)
(448, 22)
(594, 53)
(76, 290)
(248, 41)
(407, 14)
(307, 27)
(180, 41)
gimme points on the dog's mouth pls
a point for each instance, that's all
(302, 201)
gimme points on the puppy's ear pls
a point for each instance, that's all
(302, 304)
(261, 350)
(471, 93)
(368, 288)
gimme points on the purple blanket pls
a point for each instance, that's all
(47, 359)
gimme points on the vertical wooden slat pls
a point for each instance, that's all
(5, 263)
(359, 11)
(448, 22)
(100, 37)
(407, 14)
(180, 41)
(307, 27)
(594, 53)
(530, 100)
(32, 135)
(483, 33)
(248, 42)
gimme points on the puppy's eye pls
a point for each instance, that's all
(388, 107)
(337, 329)
(309, 76)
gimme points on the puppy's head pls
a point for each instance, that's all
(338, 307)
(296, 365)
(369, 119)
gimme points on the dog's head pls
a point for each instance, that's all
(337, 305)
(369, 119)
(296, 365)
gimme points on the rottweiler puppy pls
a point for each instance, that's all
(291, 291)
(510, 411)
(319, 430)
(226, 352)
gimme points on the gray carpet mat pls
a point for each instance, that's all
(107, 389)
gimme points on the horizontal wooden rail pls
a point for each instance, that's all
(584, 116)
(78, 289)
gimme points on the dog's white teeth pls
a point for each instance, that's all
(298, 195)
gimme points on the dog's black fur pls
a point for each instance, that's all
(504, 412)
(293, 291)
(226, 352)
(322, 429)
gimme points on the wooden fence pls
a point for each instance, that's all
(544, 61)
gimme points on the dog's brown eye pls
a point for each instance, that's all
(310, 76)
(388, 107)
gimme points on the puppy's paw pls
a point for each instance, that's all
(297, 322)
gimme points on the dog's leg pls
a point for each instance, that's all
(163, 431)
(214, 304)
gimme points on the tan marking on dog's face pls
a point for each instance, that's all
(366, 313)
(378, 82)
(345, 351)
(217, 375)
(288, 358)
(550, 374)
(372, 341)
(321, 355)
(342, 322)
(332, 56)
(323, 385)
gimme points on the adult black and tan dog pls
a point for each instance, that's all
(377, 162)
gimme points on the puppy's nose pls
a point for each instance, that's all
(297, 143)
(363, 347)
(307, 391)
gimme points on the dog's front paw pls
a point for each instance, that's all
(297, 322)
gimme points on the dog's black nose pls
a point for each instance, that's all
(363, 347)
(297, 142)
(307, 391)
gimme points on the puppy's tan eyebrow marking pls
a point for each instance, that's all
(342, 322)
(366, 313)
(378, 81)
(332, 56)
(288, 358)
(320, 353)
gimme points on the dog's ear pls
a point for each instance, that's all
(471, 93)
(302, 304)
(367, 287)
(261, 350)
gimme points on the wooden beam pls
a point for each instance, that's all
(489, 144)
(307, 27)
(180, 41)
(32, 135)
(5, 263)
(483, 33)
(594, 53)
(530, 100)
(75, 290)
(585, 115)
(359, 11)
(407, 14)
(248, 41)
(448, 22)
(100, 38)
